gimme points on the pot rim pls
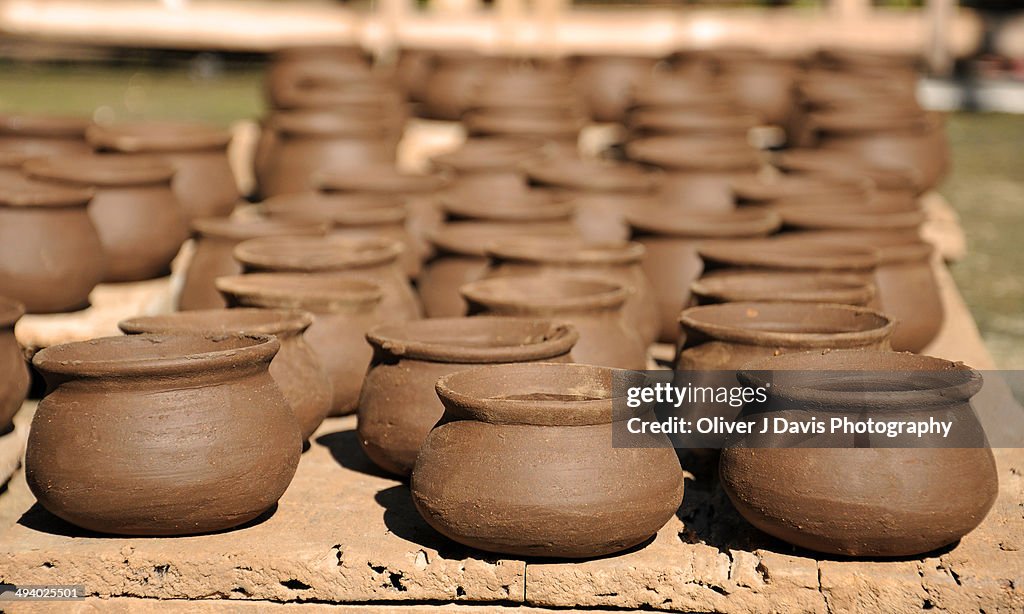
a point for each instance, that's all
(312, 292)
(101, 171)
(472, 237)
(442, 343)
(316, 254)
(606, 295)
(163, 136)
(379, 179)
(695, 156)
(24, 192)
(242, 320)
(43, 126)
(667, 221)
(591, 176)
(790, 253)
(10, 312)
(543, 250)
(839, 217)
(759, 372)
(236, 229)
(339, 209)
(72, 359)
(876, 329)
(527, 207)
(561, 377)
(892, 247)
(734, 286)
(489, 153)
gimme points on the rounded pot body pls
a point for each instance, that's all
(607, 83)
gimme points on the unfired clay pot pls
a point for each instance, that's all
(50, 253)
(41, 135)
(560, 133)
(607, 83)
(713, 125)
(809, 191)
(374, 260)
(790, 253)
(898, 222)
(213, 257)
(535, 208)
(343, 310)
(295, 73)
(352, 216)
(522, 464)
(460, 256)
(786, 286)
(672, 262)
(138, 218)
(488, 165)
(11, 160)
(455, 76)
(398, 405)
(619, 262)
(295, 368)
(593, 306)
(760, 83)
(203, 180)
(833, 499)
(13, 369)
(900, 183)
(599, 191)
(161, 434)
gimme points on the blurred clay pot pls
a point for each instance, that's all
(455, 76)
(790, 253)
(607, 83)
(760, 83)
(726, 336)
(698, 175)
(593, 306)
(413, 71)
(398, 405)
(560, 133)
(566, 492)
(599, 191)
(789, 287)
(818, 495)
(488, 165)
(13, 368)
(374, 260)
(531, 208)
(712, 125)
(671, 241)
(810, 191)
(213, 256)
(618, 262)
(137, 216)
(893, 185)
(691, 88)
(899, 222)
(295, 368)
(343, 310)
(50, 253)
(460, 256)
(295, 73)
(203, 180)
(119, 410)
(42, 135)
(351, 216)
(11, 160)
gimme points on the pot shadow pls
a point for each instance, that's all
(7, 430)
(346, 451)
(37, 518)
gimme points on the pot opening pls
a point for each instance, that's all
(789, 323)
(545, 291)
(213, 321)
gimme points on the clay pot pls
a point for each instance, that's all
(726, 336)
(343, 310)
(302, 145)
(607, 83)
(456, 74)
(488, 165)
(791, 253)
(698, 175)
(352, 216)
(413, 71)
(560, 133)
(203, 180)
(13, 369)
(11, 160)
(295, 368)
(213, 257)
(461, 257)
(672, 262)
(136, 214)
(593, 306)
(762, 84)
(295, 73)
(905, 279)
(682, 89)
(713, 125)
(789, 287)
(899, 222)
(599, 191)
(891, 182)
(618, 262)
(530, 208)
(41, 135)
(829, 498)
(564, 491)
(135, 430)
(398, 405)
(863, 62)
(374, 260)
(50, 253)
(809, 191)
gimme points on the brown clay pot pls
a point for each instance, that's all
(533, 208)
(672, 262)
(488, 165)
(137, 216)
(13, 369)
(157, 423)
(295, 73)
(690, 88)
(607, 83)
(894, 185)
(351, 216)
(726, 336)
(714, 125)
(618, 262)
(11, 160)
(213, 257)
(785, 286)
(905, 280)
(698, 175)
(50, 253)
(564, 490)
(829, 498)
(41, 135)
(460, 256)
(810, 191)
(455, 77)
(374, 260)
(762, 84)
(561, 133)
(203, 180)
(900, 222)
(398, 405)
(593, 306)
(295, 368)
(790, 253)
(599, 191)
(343, 310)
(302, 145)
